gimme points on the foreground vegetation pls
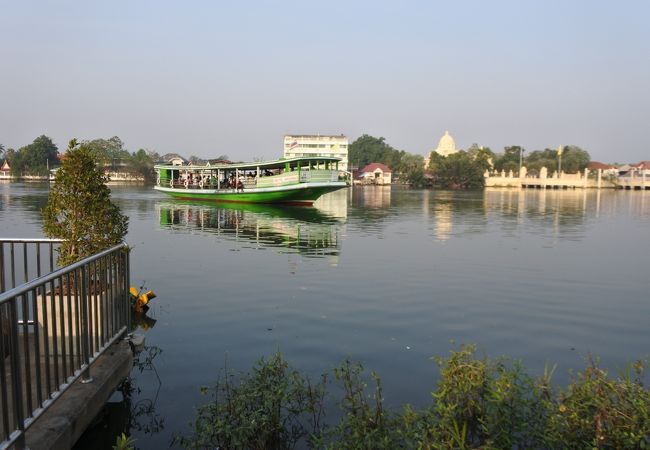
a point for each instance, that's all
(79, 209)
(478, 403)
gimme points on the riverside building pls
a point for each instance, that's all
(297, 145)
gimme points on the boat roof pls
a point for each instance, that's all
(277, 163)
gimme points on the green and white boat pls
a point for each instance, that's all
(295, 181)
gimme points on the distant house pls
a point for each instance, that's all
(643, 168)
(624, 169)
(635, 170)
(5, 170)
(608, 169)
(174, 159)
(374, 173)
(214, 162)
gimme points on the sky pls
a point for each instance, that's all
(209, 78)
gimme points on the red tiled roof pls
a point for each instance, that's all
(5, 165)
(643, 165)
(595, 165)
(374, 166)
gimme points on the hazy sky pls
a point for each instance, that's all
(210, 78)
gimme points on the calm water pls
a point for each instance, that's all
(387, 277)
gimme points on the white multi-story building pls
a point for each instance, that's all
(317, 145)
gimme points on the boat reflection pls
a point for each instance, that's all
(308, 231)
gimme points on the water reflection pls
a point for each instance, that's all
(31, 197)
(443, 218)
(371, 207)
(578, 202)
(132, 409)
(559, 213)
(372, 197)
(308, 231)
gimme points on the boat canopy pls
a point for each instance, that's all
(275, 164)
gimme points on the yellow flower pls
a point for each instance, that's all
(562, 408)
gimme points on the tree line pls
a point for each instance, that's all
(464, 169)
(110, 154)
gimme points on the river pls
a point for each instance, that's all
(388, 277)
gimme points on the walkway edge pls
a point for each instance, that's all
(66, 420)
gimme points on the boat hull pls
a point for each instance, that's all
(300, 194)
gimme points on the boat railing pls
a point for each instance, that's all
(197, 186)
(281, 179)
(318, 175)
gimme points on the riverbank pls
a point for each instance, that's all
(114, 177)
(566, 181)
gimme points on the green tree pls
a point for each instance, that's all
(108, 152)
(196, 160)
(10, 155)
(435, 160)
(534, 161)
(411, 169)
(154, 155)
(35, 158)
(509, 159)
(460, 171)
(415, 177)
(574, 159)
(368, 149)
(142, 162)
(2, 152)
(79, 209)
(406, 166)
(483, 156)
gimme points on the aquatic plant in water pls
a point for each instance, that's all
(478, 403)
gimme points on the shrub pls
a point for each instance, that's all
(274, 407)
(79, 209)
(479, 403)
(599, 412)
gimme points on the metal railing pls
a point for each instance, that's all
(54, 326)
(22, 260)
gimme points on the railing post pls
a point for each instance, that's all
(13, 265)
(16, 377)
(127, 283)
(85, 334)
(2, 267)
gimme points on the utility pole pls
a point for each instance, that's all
(521, 158)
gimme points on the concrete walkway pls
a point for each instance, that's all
(66, 420)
